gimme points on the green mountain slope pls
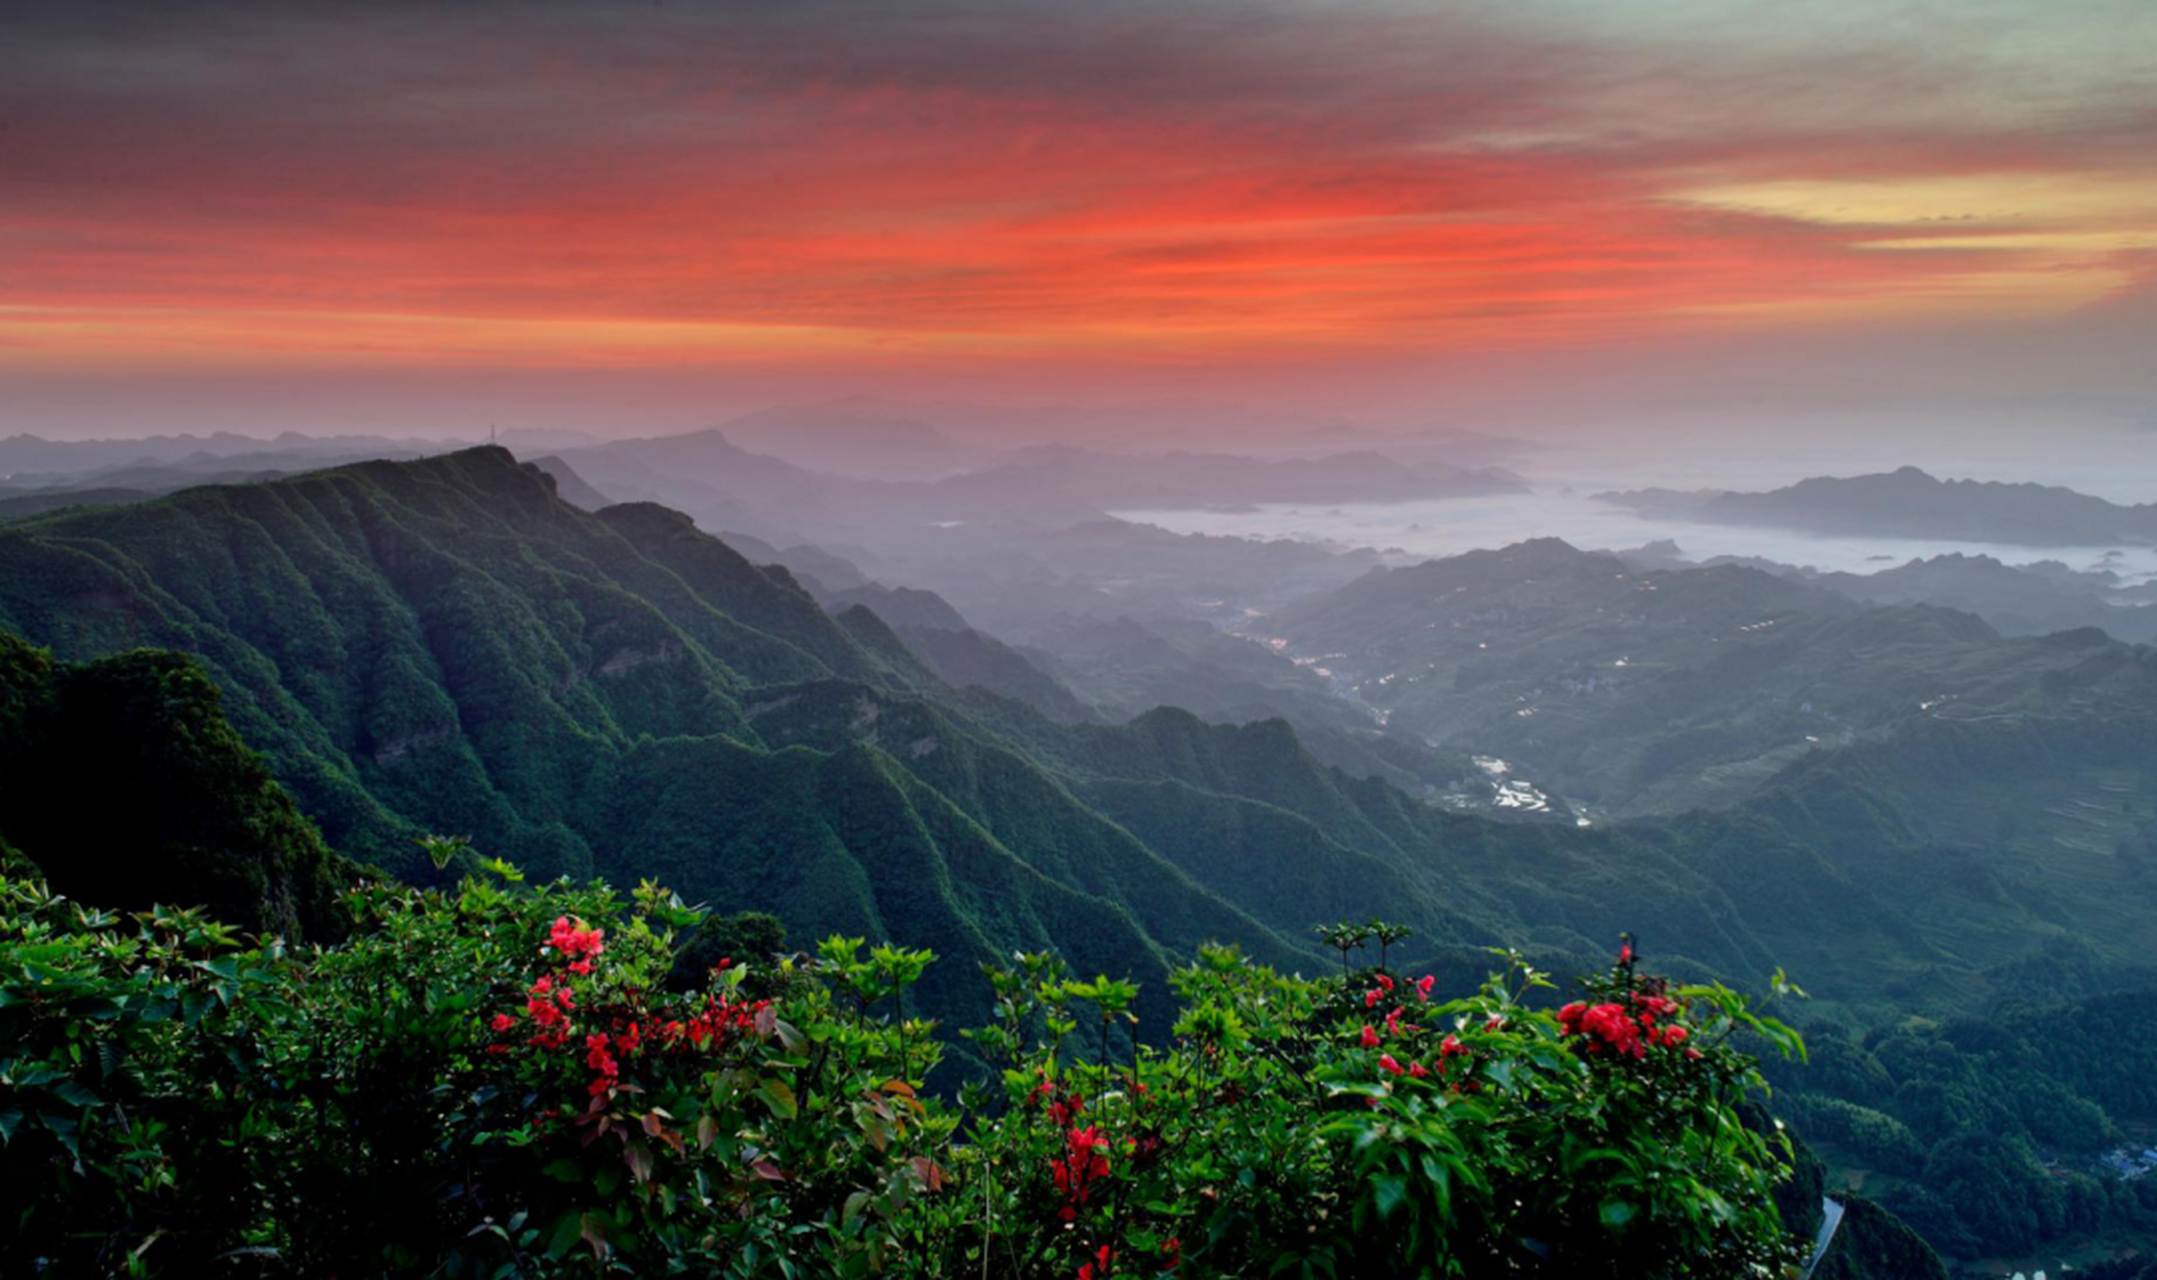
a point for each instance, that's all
(188, 813)
(1640, 693)
(439, 644)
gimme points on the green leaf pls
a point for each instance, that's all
(567, 1229)
(73, 1093)
(194, 1004)
(593, 1230)
(1389, 1192)
(778, 1096)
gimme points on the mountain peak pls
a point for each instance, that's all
(648, 517)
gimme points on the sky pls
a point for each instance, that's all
(1572, 215)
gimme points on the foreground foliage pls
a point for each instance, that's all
(497, 1081)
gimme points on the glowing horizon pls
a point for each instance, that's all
(236, 188)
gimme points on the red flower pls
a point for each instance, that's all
(575, 942)
(1607, 1023)
(1370, 997)
(1388, 1065)
(545, 1002)
(1652, 1007)
(600, 1060)
(1370, 1036)
(1452, 1048)
(1424, 985)
(503, 1022)
(1495, 1022)
(1418, 1070)
(1084, 1161)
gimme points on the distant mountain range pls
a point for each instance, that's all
(1135, 426)
(1184, 480)
(1908, 503)
(26, 456)
(1661, 691)
(2024, 600)
(726, 486)
(1458, 446)
(859, 437)
(876, 438)
(839, 469)
(38, 475)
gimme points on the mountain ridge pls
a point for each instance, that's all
(1909, 502)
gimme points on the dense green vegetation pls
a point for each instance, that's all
(1640, 693)
(490, 1081)
(1986, 1133)
(198, 818)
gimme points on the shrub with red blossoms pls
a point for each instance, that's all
(1431, 1139)
(496, 1081)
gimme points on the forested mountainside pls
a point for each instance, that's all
(1654, 692)
(121, 782)
(446, 646)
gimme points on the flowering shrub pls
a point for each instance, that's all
(495, 1080)
(1362, 1128)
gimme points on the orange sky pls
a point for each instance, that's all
(822, 184)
